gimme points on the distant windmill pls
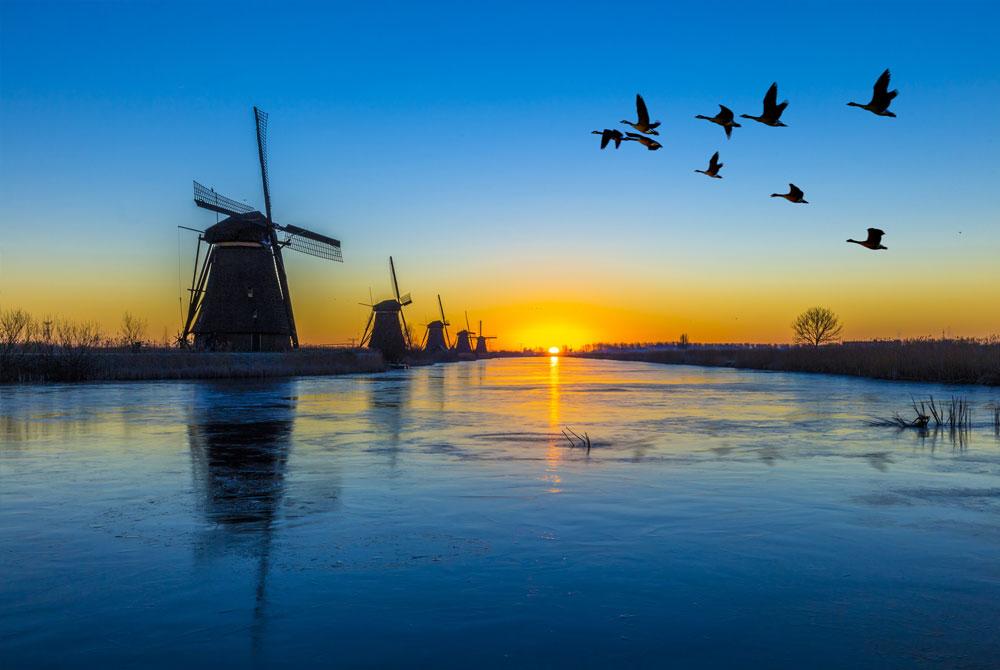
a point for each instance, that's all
(481, 341)
(437, 339)
(386, 329)
(463, 340)
(239, 295)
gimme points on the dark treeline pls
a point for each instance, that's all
(951, 361)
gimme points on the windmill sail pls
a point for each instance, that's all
(313, 244)
(207, 198)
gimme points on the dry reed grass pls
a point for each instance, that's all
(947, 361)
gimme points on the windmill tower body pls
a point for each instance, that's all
(387, 331)
(435, 338)
(243, 308)
(463, 342)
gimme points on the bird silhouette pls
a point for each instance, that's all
(794, 195)
(608, 135)
(874, 241)
(881, 97)
(713, 167)
(772, 110)
(724, 118)
(642, 124)
(647, 142)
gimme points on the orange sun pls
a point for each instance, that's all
(554, 350)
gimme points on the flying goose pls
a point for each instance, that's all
(713, 167)
(881, 97)
(724, 118)
(608, 135)
(794, 195)
(874, 241)
(772, 110)
(647, 142)
(642, 124)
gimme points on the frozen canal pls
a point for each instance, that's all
(437, 517)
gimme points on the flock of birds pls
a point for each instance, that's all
(882, 97)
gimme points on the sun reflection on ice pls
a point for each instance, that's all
(553, 453)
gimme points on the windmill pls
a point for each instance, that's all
(239, 294)
(437, 340)
(481, 341)
(386, 328)
(463, 339)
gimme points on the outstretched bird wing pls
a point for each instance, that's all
(640, 108)
(771, 99)
(881, 87)
(605, 138)
(713, 162)
(875, 235)
(725, 114)
(795, 191)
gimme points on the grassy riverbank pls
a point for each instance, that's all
(943, 361)
(151, 364)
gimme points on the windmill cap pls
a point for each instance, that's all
(250, 227)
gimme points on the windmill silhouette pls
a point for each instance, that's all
(481, 341)
(463, 339)
(436, 338)
(386, 330)
(239, 297)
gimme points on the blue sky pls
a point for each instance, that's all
(456, 137)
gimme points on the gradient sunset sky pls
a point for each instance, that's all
(455, 136)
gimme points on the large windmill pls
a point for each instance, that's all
(463, 339)
(437, 340)
(239, 294)
(386, 329)
(481, 341)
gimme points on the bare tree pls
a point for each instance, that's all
(73, 336)
(816, 326)
(132, 331)
(684, 341)
(16, 328)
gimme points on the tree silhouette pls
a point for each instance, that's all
(816, 326)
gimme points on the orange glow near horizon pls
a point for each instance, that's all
(710, 309)
(554, 351)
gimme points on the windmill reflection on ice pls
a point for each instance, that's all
(388, 401)
(239, 297)
(240, 439)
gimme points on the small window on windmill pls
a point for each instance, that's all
(249, 291)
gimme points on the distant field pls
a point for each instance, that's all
(944, 361)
